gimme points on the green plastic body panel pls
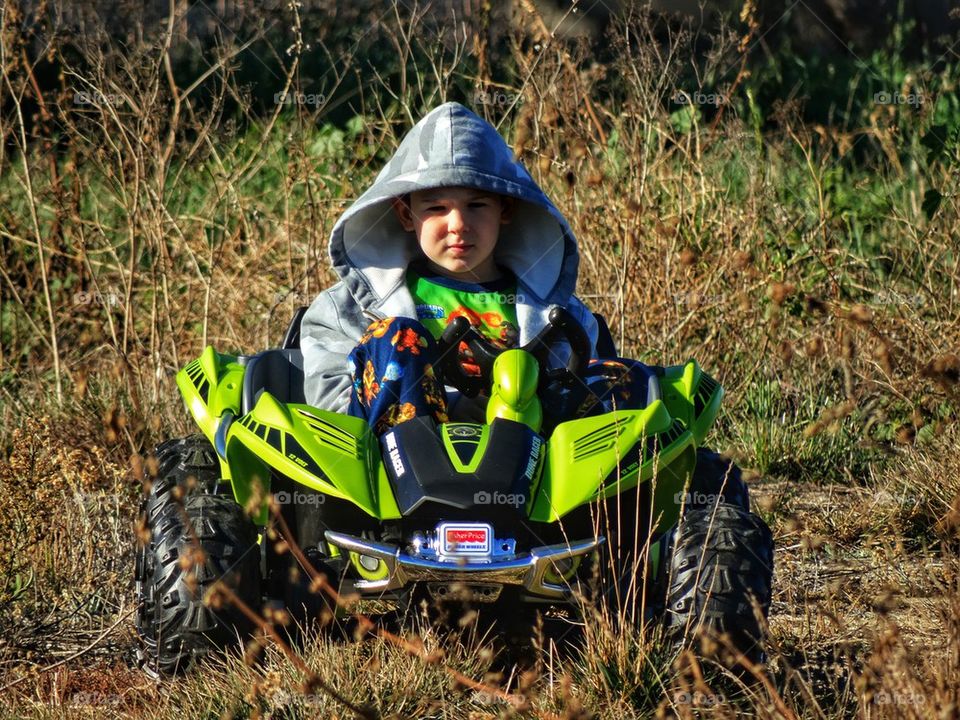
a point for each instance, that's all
(692, 396)
(332, 453)
(480, 444)
(212, 385)
(597, 457)
(585, 460)
(677, 385)
(328, 452)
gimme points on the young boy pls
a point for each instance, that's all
(452, 225)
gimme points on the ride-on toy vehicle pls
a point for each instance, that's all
(515, 511)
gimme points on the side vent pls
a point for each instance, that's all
(651, 444)
(599, 440)
(671, 434)
(705, 390)
(195, 373)
(332, 436)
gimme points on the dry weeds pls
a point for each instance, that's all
(171, 215)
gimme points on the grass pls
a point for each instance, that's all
(791, 254)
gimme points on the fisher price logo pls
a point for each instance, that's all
(466, 536)
(466, 540)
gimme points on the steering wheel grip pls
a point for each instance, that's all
(453, 333)
(561, 324)
(561, 319)
(458, 330)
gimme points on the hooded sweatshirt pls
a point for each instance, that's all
(370, 251)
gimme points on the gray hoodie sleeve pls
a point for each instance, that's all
(327, 335)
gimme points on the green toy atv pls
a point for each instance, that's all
(519, 511)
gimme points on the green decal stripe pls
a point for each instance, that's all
(309, 474)
(454, 454)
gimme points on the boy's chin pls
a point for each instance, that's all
(455, 269)
(457, 273)
(468, 273)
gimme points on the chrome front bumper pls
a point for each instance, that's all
(527, 571)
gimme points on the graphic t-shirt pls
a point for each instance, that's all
(489, 306)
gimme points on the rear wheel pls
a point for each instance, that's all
(197, 539)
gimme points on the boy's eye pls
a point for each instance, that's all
(479, 203)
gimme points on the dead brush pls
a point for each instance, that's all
(156, 224)
(894, 684)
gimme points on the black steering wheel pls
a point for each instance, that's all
(561, 325)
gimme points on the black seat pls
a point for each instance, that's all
(291, 338)
(279, 372)
(606, 347)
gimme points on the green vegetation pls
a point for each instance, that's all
(799, 239)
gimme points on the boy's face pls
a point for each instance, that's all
(457, 229)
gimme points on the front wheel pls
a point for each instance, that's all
(720, 565)
(194, 544)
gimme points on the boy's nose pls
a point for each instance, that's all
(455, 221)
